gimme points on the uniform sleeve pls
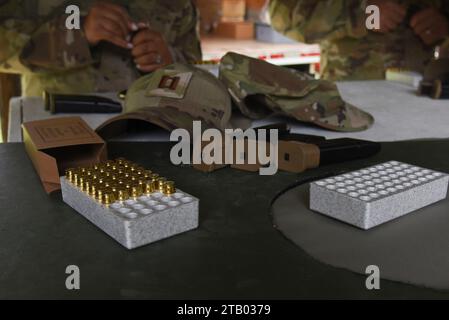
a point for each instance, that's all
(186, 47)
(312, 21)
(39, 45)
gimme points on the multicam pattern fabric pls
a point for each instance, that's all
(35, 43)
(204, 98)
(260, 89)
(348, 49)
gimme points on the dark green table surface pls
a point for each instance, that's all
(235, 253)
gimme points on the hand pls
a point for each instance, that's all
(391, 14)
(430, 25)
(150, 50)
(108, 22)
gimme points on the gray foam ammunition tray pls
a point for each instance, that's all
(369, 197)
(136, 222)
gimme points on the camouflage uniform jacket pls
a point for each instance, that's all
(35, 43)
(348, 49)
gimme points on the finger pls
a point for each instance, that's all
(112, 27)
(122, 13)
(144, 48)
(109, 36)
(116, 19)
(150, 58)
(143, 25)
(145, 36)
(421, 16)
(149, 68)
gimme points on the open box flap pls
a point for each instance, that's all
(54, 145)
(60, 132)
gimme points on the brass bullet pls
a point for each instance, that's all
(80, 182)
(149, 187)
(75, 178)
(93, 190)
(108, 198)
(86, 186)
(128, 185)
(140, 170)
(169, 187)
(114, 186)
(123, 195)
(141, 182)
(136, 177)
(99, 196)
(147, 174)
(109, 163)
(160, 184)
(136, 191)
(69, 174)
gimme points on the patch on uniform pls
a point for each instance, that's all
(168, 83)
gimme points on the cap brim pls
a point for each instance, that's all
(347, 118)
(164, 117)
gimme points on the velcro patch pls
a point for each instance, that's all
(169, 83)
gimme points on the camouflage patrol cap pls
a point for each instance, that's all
(176, 95)
(260, 89)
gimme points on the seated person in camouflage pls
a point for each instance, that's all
(352, 52)
(118, 41)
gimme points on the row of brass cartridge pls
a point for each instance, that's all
(118, 180)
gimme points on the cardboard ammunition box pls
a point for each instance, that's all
(235, 30)
(233, 10)
(60, 143)
(255, 4)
